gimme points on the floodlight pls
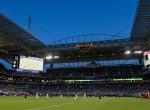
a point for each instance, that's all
(128, 52)
(138, 52)
(49, 57)
(56, 57)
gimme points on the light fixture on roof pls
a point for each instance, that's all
(128, 52)
(49, 57)
(138, 52)
(56, 57)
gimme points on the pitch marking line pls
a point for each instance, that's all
(50, 106)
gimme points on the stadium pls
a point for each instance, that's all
(85, 72)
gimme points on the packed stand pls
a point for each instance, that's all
(71, 89)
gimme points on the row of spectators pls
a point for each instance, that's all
(101, 71)
(93, 89)
(84, 72)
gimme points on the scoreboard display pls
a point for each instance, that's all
(28, 63)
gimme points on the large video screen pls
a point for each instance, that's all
(31, 63)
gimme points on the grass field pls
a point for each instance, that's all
(57, 103)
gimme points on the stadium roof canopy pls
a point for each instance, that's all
(15, 39)
(18, 33)
(141, 25)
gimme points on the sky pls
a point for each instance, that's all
(52, 20)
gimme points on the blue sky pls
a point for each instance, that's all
(55, 19)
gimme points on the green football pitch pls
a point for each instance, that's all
(57, 103)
